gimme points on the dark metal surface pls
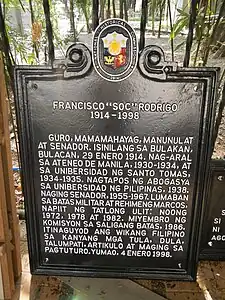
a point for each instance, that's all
(213, 233)
(190, 91)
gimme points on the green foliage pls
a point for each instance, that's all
(13, 4)
(181, 23)
(29, 47)
(206, 18)
(31, 58)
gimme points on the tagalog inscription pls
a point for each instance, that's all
(117, 185)
(106, 191)
(115, 195)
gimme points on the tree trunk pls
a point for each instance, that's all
(72, 23)
(200, 29)
(114, 8)
(189, 40)
(153, 2)
(102, 10)
(121, 9)
(162, 4)
(171, 29)
(125, 10)
(87, 20)
(32, 22)
(108, 13)
(95, 20)
(144, 13)
(49, 31)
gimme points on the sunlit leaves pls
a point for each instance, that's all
(206, 17)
